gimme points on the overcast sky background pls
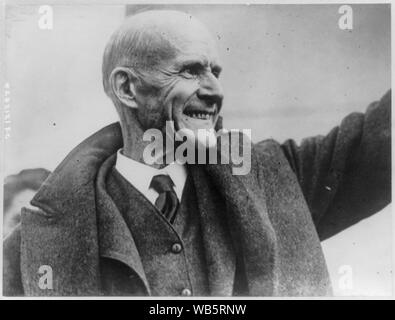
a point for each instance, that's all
(289, 71)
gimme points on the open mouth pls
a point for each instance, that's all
(198, 114)
(197, 117)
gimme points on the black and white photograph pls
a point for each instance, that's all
(196, 150)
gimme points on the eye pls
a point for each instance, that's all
(192, 69)
(216, 72)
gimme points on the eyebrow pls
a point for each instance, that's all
(200, 60)
(191, 61)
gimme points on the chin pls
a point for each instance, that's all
(198, 131)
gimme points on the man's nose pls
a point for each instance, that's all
(210, 90)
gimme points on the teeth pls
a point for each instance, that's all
(197, 115)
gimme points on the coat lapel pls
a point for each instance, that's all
(115, 239)
(218, 245)
(247, 216)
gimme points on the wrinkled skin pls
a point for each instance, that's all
(187, 83)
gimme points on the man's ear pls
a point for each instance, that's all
(122, 82)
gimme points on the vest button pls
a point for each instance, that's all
(176, 248)
(186, 293)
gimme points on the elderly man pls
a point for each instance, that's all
(106, 223)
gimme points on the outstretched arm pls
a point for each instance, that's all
(346, 175)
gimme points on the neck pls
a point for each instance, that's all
(132, 134)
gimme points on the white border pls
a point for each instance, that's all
(124, 2)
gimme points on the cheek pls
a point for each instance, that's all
(179, 94)
(165, 103)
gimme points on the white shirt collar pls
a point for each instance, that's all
(140, 175)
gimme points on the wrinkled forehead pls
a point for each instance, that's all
(197, 46)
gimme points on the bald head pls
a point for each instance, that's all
(146, 40)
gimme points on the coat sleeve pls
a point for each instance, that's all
(345, 176)
(12, 279)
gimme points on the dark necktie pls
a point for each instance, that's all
(167, 201)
